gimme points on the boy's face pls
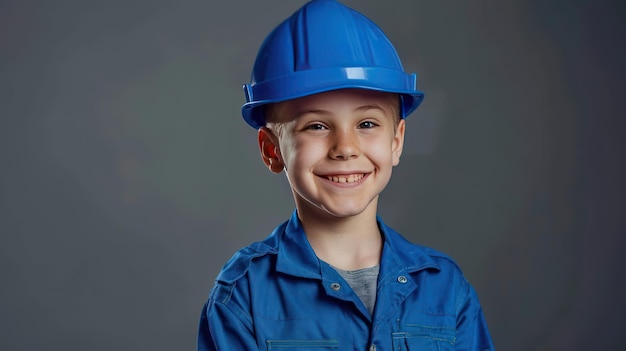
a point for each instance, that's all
(338, 149)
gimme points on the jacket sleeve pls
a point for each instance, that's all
(472, 332)
(224, 329)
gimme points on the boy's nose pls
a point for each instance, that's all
(345, 146)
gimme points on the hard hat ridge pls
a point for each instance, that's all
(325, 46)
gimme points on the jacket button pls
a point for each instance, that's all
(373, 347)
(335, 286)
(402, 279)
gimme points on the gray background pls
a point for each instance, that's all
(128, 176)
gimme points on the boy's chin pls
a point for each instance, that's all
(339, 212)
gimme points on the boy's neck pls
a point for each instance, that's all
(348, 243)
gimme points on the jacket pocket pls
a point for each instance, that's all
(309, 345)
(414, 337)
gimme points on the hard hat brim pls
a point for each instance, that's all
(310, 82)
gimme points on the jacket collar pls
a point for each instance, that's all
(296, 256)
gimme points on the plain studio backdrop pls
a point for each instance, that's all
(127, 176)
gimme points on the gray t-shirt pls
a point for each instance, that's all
(364, 283)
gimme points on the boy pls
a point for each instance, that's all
(328, 97)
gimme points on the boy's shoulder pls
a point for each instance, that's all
(239, 264)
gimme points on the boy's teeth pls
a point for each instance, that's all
(346, 178)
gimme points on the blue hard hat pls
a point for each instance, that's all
(325, 46)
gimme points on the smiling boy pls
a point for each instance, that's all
(337, 149)
(329, 97)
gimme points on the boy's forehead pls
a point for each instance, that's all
(335, 100)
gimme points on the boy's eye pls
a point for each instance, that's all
(367, 124)
(316, 126)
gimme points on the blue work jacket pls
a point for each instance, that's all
(278, 295)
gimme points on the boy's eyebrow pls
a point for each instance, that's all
(369, 107)
(314, 111)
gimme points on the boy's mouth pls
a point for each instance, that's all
(345, 178)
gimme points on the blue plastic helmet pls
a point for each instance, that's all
(325, 46)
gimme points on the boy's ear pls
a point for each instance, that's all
(270, 151)
(398, 142)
